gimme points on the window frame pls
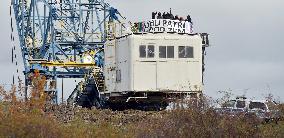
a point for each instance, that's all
(165, 54)
(144, 51)
(183, 53)
(173, 52)
(150, 53)
(191, 55)
(165, 51)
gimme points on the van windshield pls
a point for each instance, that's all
(241, 104)
(229, 104)
(257, 105)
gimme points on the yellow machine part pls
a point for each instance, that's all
(67, 64)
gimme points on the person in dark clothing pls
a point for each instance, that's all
(189, 19)
(154, 15)
(168, 16)
(176, 17)
(159, 16)
(164, 15)
(171, 16)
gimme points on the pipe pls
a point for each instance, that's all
(129, 98)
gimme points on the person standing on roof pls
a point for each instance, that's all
(164, 15)
(171, 16)
(168, 16)
(159, 16)
(154, 15)
(189, 19)
(176, 17)
(190, 25)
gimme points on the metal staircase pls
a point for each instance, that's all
(87, 92)
(100, 79)
(75, 94)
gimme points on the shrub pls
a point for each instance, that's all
(34, 117)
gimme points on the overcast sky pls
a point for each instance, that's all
(246, 41)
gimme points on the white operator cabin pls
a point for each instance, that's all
(154, 62)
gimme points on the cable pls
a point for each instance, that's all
(14, 54)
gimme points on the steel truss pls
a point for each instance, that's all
(61, 32)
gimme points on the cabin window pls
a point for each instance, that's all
(170, 52)
(166, 52)
(189, 52)
(146, 51)
(162, 51)
(185, 52)
(151, 51)
(142, 51)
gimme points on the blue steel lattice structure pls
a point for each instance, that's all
(55, 35)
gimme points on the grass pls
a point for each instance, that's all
(35, 118)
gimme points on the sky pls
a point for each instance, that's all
(246, 37)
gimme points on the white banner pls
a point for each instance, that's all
(167, 25)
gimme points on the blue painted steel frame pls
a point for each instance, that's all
(58, 30)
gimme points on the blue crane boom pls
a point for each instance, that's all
(60, 33)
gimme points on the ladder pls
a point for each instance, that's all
(100, 79)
